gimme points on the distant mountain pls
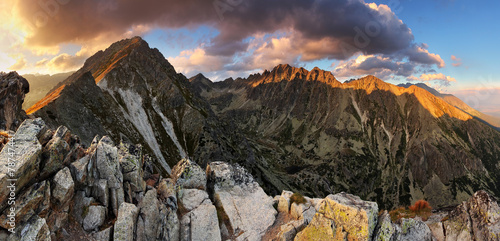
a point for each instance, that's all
(131, 93)
(41, 85)
(293, 129)
(377, 140)
(455, 101)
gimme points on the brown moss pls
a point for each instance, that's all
(297, 198)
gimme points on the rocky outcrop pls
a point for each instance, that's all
(13, 88)
(245, 209)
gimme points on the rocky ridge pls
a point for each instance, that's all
(108, 192)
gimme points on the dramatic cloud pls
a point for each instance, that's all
(20, 64)
(379, 66)
(251, 35)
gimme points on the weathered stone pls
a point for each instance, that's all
(284, 201)
(149, 216)
(167, 193)
(57, 217)
(343, 216)
(54, 153)
(169, 228)
(245, 209)
(201, 224)
(78, 170)
(125, 222)
(290, 229)
(35, 229)
(437, 231)
(81, 206)
(104, 164)
(62, 187)
(191, 198)
(131, 164)
(386, 230)
(104, 235)
(20, 159)
(412, 229)
(304, 211)
(187, 174)
(95, 218)
(13, 89)
(100, 192)
(27, 204)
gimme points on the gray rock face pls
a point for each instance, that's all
(56, 150)
(191, 198)
(412, 229)
(94, 218)
(246, 210)
(189, 175)
(104, 164)
(104, 235)
(169, 228)
(63, 187)
(35, 229)
(13, 88)
(386, 230)
(201, 224)
(125, 222)
(131, 162)
(289, 230)
(149, 216)
(23, 151)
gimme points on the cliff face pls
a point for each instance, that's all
(380, 141)
(13, 88)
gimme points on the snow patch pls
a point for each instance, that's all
(139, 118)
(169, 128)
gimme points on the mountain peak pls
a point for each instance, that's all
(287, 72)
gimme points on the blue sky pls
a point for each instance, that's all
(449, 44)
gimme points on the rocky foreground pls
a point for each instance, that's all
(52, 188)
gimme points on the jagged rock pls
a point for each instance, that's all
(62, 187)
(95, 218)
(55, 152)
(125, 222)
(476, 219)
(81, 206)
(386, 230)
(201, 224)
(342, 215)
(149, 216)
(189, 175)
(284, 201)
(104, 235)
(437, 231)
(28, 204)
(246, 210)
(20, 159)
(304, 211)
(100, 192)
(131, 163)
(169, 228)
(57, 218)
(78, 170)
(191, 198)
(35, 229)
(289, 230)
(412, 229)
(167, 193)
(104, 164)
(13, 88)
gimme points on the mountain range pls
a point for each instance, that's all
(293, 129)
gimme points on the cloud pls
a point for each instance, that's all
(63, 63)
(382, 67)
(19, 65)
(440, 78)
(456, 61)
(273, 31)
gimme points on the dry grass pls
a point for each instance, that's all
(297, 198)
(421, 208)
